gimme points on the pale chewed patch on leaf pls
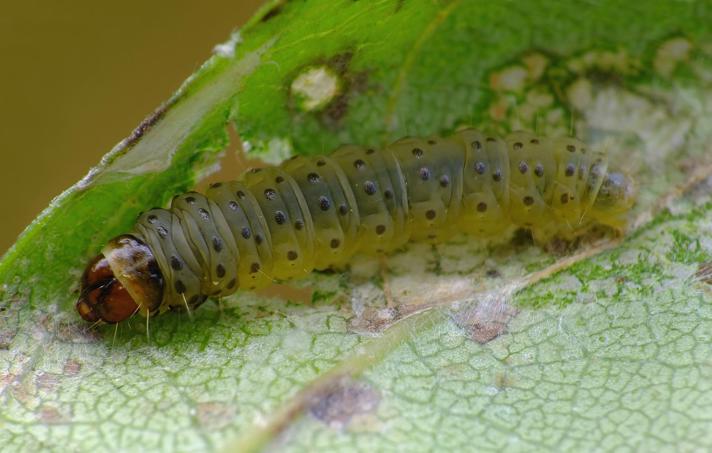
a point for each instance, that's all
(315, 87)
(343, 401)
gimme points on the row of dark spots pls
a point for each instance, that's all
(518, 146)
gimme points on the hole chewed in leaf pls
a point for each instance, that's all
(338, 404)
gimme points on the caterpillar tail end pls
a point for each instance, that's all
(121, 281)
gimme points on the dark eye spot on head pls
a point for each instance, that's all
(280, 217)
(232, 204)
(217, 244)
(431, 142)
(380, 229)
(270, 194)
(313, 178)
(254, 268)
(480, 167)
(180, 287)
(359, 164)
(320, 163)
(152, 219)
(190, 200)
(481, 206)
(570, 169)
(231, 284)
(215, 185)
(430, 214)
(534, 141)
(370, 151)
(176, 263)
(335, 243)
(517, 146)
(564, 198)
(258, 239)
(298, 224)
(528, 200)
(240, 194)
(444, 181)
(497, 175)
(388, 194)
(245, 232)
(476, 144)
(343, 209)
(369, 187)
(491, 139)
(570, 148)
(324, 203)
(292, 255)
(220, 271)
(424, 173)
(417, 152)
(523, 167)
(255, 170)
(279, 179)
(539, 170)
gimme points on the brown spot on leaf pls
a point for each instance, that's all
(487, 320)
(214, 415)
(72, 367)
(146, 125)
(502, 380)
(704, 273)
(345, 399)
(51, 415)
(375, 319)
(46, 381)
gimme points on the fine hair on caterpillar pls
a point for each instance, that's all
(315, 212)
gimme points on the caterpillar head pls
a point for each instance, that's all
(614, 199)
(121, 281)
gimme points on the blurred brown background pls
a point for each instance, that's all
(76, 77)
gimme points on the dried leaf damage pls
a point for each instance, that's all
(343, 400)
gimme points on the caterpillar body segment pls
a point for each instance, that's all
(309, 213)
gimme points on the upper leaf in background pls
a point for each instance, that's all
(613, 352)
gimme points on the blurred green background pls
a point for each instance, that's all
(76, 78)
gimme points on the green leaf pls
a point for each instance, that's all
(461, 346)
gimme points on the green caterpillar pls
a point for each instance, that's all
(310, 213)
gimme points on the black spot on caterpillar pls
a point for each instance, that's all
(315, 212)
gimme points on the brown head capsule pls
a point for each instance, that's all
(121, 281)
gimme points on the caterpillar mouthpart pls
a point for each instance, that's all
(120, 282)
(617, 193)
